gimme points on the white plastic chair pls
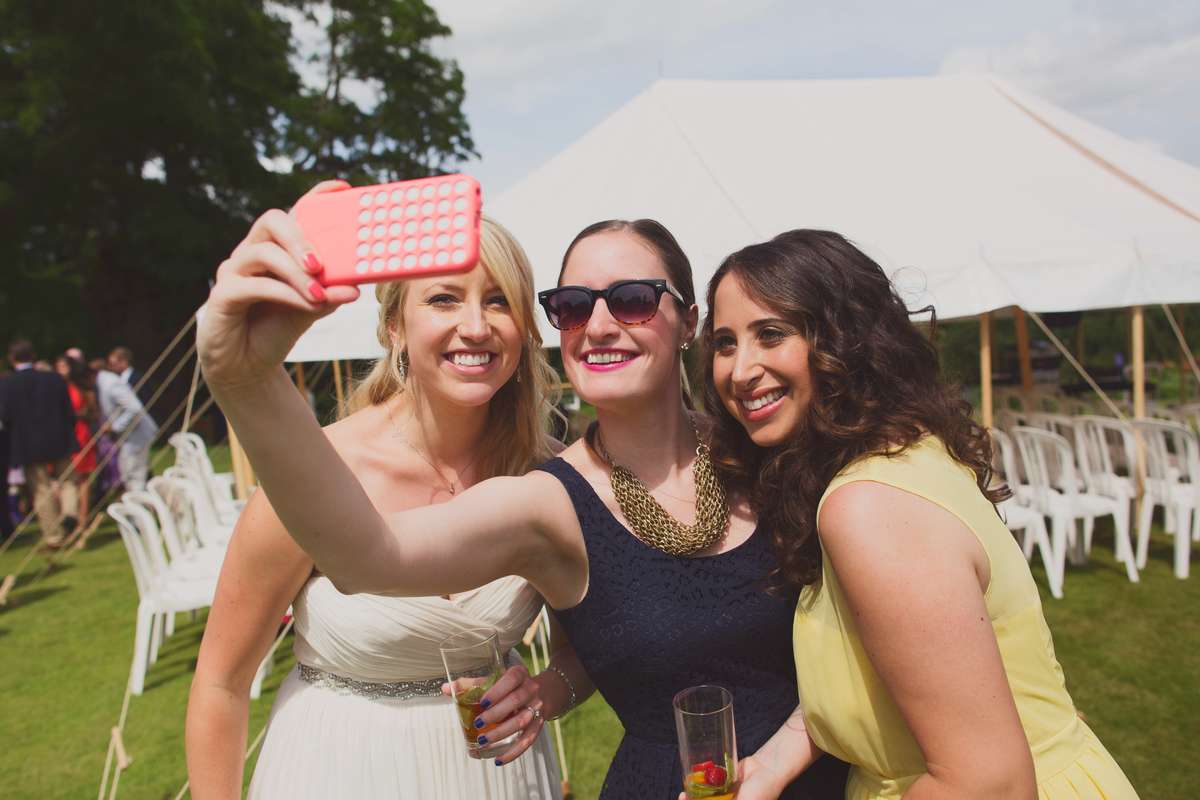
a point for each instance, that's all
(1019, 516)
(1064, 426)
(161, 593)
(179, 510)
(1038, 449)
(1009, 418)
(1103, 443)
(164, 589)
(1191, 413)
(191, 453)
(158, 526)
(1173, 483)
(210, 529)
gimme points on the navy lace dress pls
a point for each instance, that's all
(652, 624)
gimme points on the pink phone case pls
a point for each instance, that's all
(393, 231)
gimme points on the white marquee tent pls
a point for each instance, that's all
(974, 195)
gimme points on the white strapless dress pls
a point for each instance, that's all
(327, 740)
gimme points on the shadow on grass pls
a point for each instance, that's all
(171, 666)
(102, 538)
(30, 596)
(177, 654)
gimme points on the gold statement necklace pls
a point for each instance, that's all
(651, 522)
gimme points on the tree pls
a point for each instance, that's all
(138, 140)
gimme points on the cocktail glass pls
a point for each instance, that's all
(707, 742)
(473, 665)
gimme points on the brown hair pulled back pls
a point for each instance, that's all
(654, 235)
(876, 387)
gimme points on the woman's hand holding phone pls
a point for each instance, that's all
(265, 296)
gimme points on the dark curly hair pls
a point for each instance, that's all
(876, 387)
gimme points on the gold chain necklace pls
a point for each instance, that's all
(651, 522)
(399, 434)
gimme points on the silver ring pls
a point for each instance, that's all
(537, 712)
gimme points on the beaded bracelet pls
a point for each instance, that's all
(570, 690)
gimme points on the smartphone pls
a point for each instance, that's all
(393, 231)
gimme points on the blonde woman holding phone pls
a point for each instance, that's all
(460, 396)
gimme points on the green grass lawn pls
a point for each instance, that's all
(1131, 655)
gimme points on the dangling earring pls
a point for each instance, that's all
(402, 365)
(521, 360)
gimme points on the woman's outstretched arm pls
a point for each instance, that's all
(264, 298)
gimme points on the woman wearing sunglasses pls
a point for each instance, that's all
(655, 574)
(922, 653)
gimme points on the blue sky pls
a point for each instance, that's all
(541, 73)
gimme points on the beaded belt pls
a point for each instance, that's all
(398, 690)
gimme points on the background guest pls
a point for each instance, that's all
(81, 385)
(120, 361)
(123, 411)
(35, 408)
(6, 521)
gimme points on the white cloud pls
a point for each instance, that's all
(1136, 74)
(1095, 64)
(502, 47)
(540, 73)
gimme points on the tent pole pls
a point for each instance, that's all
(1139, 362)
(1137, 337)
(1023, 356)
(985, 367)
(337, 384)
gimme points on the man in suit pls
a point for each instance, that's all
(36, 411)
(6, 520)
(129, 422)
(120, 362)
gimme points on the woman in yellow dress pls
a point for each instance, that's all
(922, 654)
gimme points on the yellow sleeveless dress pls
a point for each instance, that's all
(849, 712)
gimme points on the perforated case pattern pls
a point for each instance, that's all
(396, 230)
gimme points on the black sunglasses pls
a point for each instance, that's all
(630, 302)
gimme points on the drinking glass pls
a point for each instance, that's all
(707, 742)
(473, 665)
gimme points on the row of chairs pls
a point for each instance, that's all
(1074, 469)
(1043, 399)
(175, 533)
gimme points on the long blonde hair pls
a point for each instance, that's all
(519, 413)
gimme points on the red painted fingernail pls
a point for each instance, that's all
(317, 292)
(311, 263)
